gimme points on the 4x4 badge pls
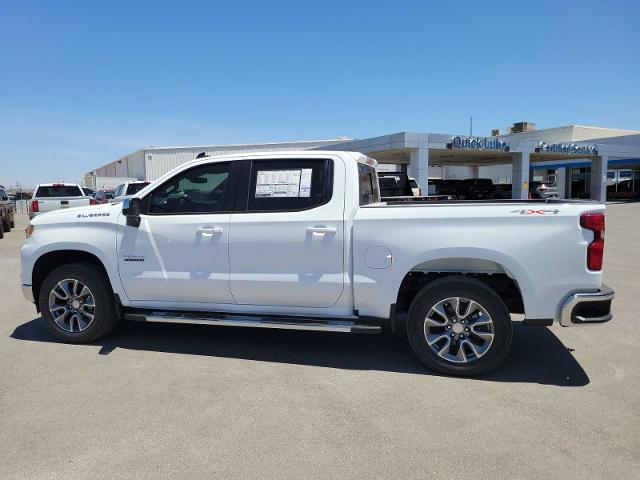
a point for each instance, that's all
(535, 211)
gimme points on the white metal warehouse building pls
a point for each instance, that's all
(153, 162)
(584, 162)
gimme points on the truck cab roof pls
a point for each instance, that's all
(355, 156)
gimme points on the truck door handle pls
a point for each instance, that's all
(209, 230)
(321, 230)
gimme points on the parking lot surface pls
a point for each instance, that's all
(167, 401)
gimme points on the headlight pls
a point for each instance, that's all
(29, 230)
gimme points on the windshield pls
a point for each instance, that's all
(59, 191)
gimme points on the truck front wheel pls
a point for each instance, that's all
(459, 326)
(77, 303)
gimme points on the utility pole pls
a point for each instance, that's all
(471, 126)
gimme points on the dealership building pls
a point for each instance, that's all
(584, 162)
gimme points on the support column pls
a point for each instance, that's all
(475, 171)
(520, 175)
(419, 167)
(561, 182)
(599, 167)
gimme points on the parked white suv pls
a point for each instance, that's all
(128, 189)
(300, 240)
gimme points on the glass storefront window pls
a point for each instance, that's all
(623, 182)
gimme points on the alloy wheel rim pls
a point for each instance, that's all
(459, 330)
(72, 305)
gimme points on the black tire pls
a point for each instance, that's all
(6, 225)
(472, 289)
(1, 232)
(13, 224)
(105, 313)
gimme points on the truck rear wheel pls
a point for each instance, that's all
(459, 326)
(77, 303)
(6, 225)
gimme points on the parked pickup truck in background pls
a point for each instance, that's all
(48, 197)
(301, 240)
(7, 212)
(399, 186)
(537, 191)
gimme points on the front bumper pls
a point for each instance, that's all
(587, 308)
(27, 291)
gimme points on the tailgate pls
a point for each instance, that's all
(50, 204)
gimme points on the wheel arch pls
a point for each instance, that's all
(49, 261)
(506, 278)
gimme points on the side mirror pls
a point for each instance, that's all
(131, 210)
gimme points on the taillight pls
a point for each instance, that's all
(595, 250)
(92, 201)
(34, 206)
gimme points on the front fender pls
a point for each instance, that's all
(103, 250)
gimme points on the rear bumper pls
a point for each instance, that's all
(587, 308)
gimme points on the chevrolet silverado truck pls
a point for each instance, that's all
(301, 240)
(53, 196)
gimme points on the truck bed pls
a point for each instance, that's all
(537, 243)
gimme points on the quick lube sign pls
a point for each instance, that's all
(568, 148)
(479, 143)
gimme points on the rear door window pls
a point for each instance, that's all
(289, 185)
(59, 191)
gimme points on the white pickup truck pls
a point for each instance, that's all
(54, 196)
(300, 240)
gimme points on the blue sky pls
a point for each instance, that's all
(83, 83)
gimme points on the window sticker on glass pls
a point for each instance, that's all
(283, 183)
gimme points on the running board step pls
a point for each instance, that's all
(343, 325)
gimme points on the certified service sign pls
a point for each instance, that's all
(567, 148)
